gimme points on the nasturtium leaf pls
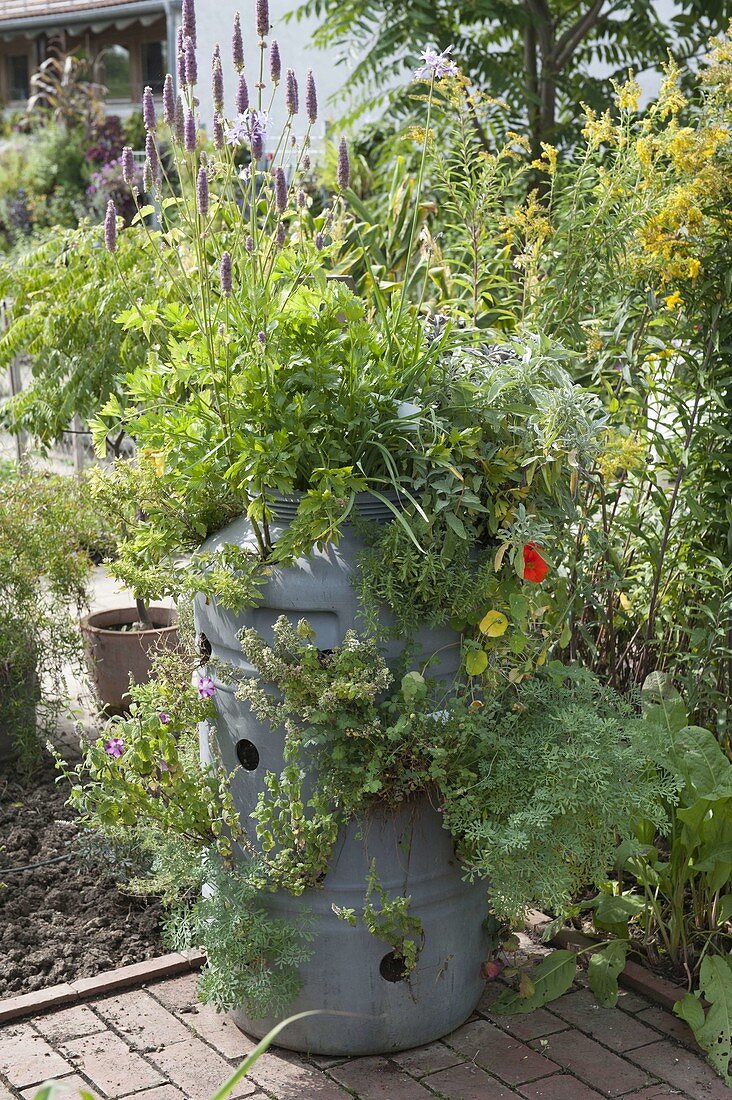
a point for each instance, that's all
(476, 662)
(552, 978)
(494, 624)
(603, 971)
(526, 986)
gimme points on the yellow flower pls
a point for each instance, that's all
(674, 300)
(694, 267)
(628, 94)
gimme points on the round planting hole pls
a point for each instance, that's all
(204, 646)
(247, 754)
(393, 968)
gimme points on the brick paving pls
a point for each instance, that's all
(158, 1043)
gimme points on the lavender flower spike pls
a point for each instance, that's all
(180, 57)
(128, 166)
(249, 243)
(147, 177)
(218, 132)
(191, 65)
(189, 131)
(202, 192)
(319, 242)
(151, 155)
(237, 45)
(148, 109)
(311, 98)
(436, 65)
(110, 227)
(217, 82)
(280, 190)
(292, 99)
(188, 20)
(262, 18)
(168, 101)
(275, 64)
(344, 166)
(225, 274)
(179, 121)
(281, 234)
(242, 95)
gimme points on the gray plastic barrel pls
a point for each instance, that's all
(352, 971)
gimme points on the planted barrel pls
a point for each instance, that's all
(351, 971)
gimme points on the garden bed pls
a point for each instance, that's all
(62, 917)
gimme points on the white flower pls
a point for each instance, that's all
(437, 63)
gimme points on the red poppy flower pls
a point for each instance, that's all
(535, 568)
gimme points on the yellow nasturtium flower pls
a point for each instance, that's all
(494, 624)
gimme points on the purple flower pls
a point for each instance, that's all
(311, 98)
(202, 192)
(344, 166)
(218, 132)
(164, 766)
(217, 82)
(189, 131)
(280, 190)
(281, 234)
(206, 687)
(292, 101)
(237, 45)
(168, 101)
(257, 143)
(128, 166)
(249, 243)
(180, 121)
(165, 718)
(191, 65)
(319, 241)
(225, 274)
(147, 176)
(301, 199)
(306, 163)
(262, 337)
(151, 155)
(436, 65)
(110, 227)
(115, 746)
(262, 18)
(242, 95)
(188, 20)
(275, 64)
(148, 109)
(180, 58)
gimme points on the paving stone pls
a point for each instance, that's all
(28, 1004)
(595, 1065)
(107, 1061)
(288, 1077)
(5, 1094)
(378, 1079)
(671, 1026)
(69, 1089)
(427, 1059)
(218, 1030)
(177, 993)
(469, 1082)
(631, 1002)
(614, 1029)
(69, 1023)
(163, 1092)
(560, 1086)
(27, 1059)
(656, 1092)
(197, 1070)
(144, 1023)
(682, 1069)
(492, 1049)
(530, 1025)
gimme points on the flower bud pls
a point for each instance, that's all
(218, 132)
(292, 101)
(110, 227)
(151, 155)
(280, 190)
(262, 18)
(281, 234)
(318, 241)
(275, 64)
(249, 243)
(202, 192)
(225, 274)
(180, 58)
(179, 121)
(344, 166)
(217, 82)
(311, 98)
(237, 45)
(191, 66)
(242, 95)
(189, 131)
(168, 101)
(148, 109)
(128, 166)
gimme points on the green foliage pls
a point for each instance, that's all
(549, 979)
(712, 1028)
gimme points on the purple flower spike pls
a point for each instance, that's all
(262, 18)
(165, 718)
(180, 58)
(281, 234)
(217, 83)
(242, 95)
(115, 747)
(257, 143)
(128, 166)
(148, 109)
(218, 132)
(151, 154)
(180, 121)
(189, 131)
(202, 192)
(188, 20)
(237, 45)
(168, 101)
(275, 64)
(191, 65)
(344, 166)
(206, 687)
(311, 98)
(306, 163)
(262, 337)
(110, 227)
(280, 190)
(249, 243)
(318, 241)
(225, 274)
(301, 199)
(147, 177)
(292, 100)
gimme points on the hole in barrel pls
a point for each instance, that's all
(393, 967)
(247, 754)
(204, 647)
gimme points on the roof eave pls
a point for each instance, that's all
(31, 23)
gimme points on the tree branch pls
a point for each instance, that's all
(570, 40)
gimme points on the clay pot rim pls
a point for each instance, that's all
(131, 615)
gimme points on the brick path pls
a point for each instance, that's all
(157, 1043)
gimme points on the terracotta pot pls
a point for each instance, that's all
(113, 655)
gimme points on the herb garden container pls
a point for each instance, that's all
(383, 1008)
(115, 650)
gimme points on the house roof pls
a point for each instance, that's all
(18, 15)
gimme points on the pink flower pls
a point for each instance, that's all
(206, 687)
(436, 63)
(115, 746)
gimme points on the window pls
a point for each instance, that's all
(154, 64)
(117, 72)
(18, 74)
